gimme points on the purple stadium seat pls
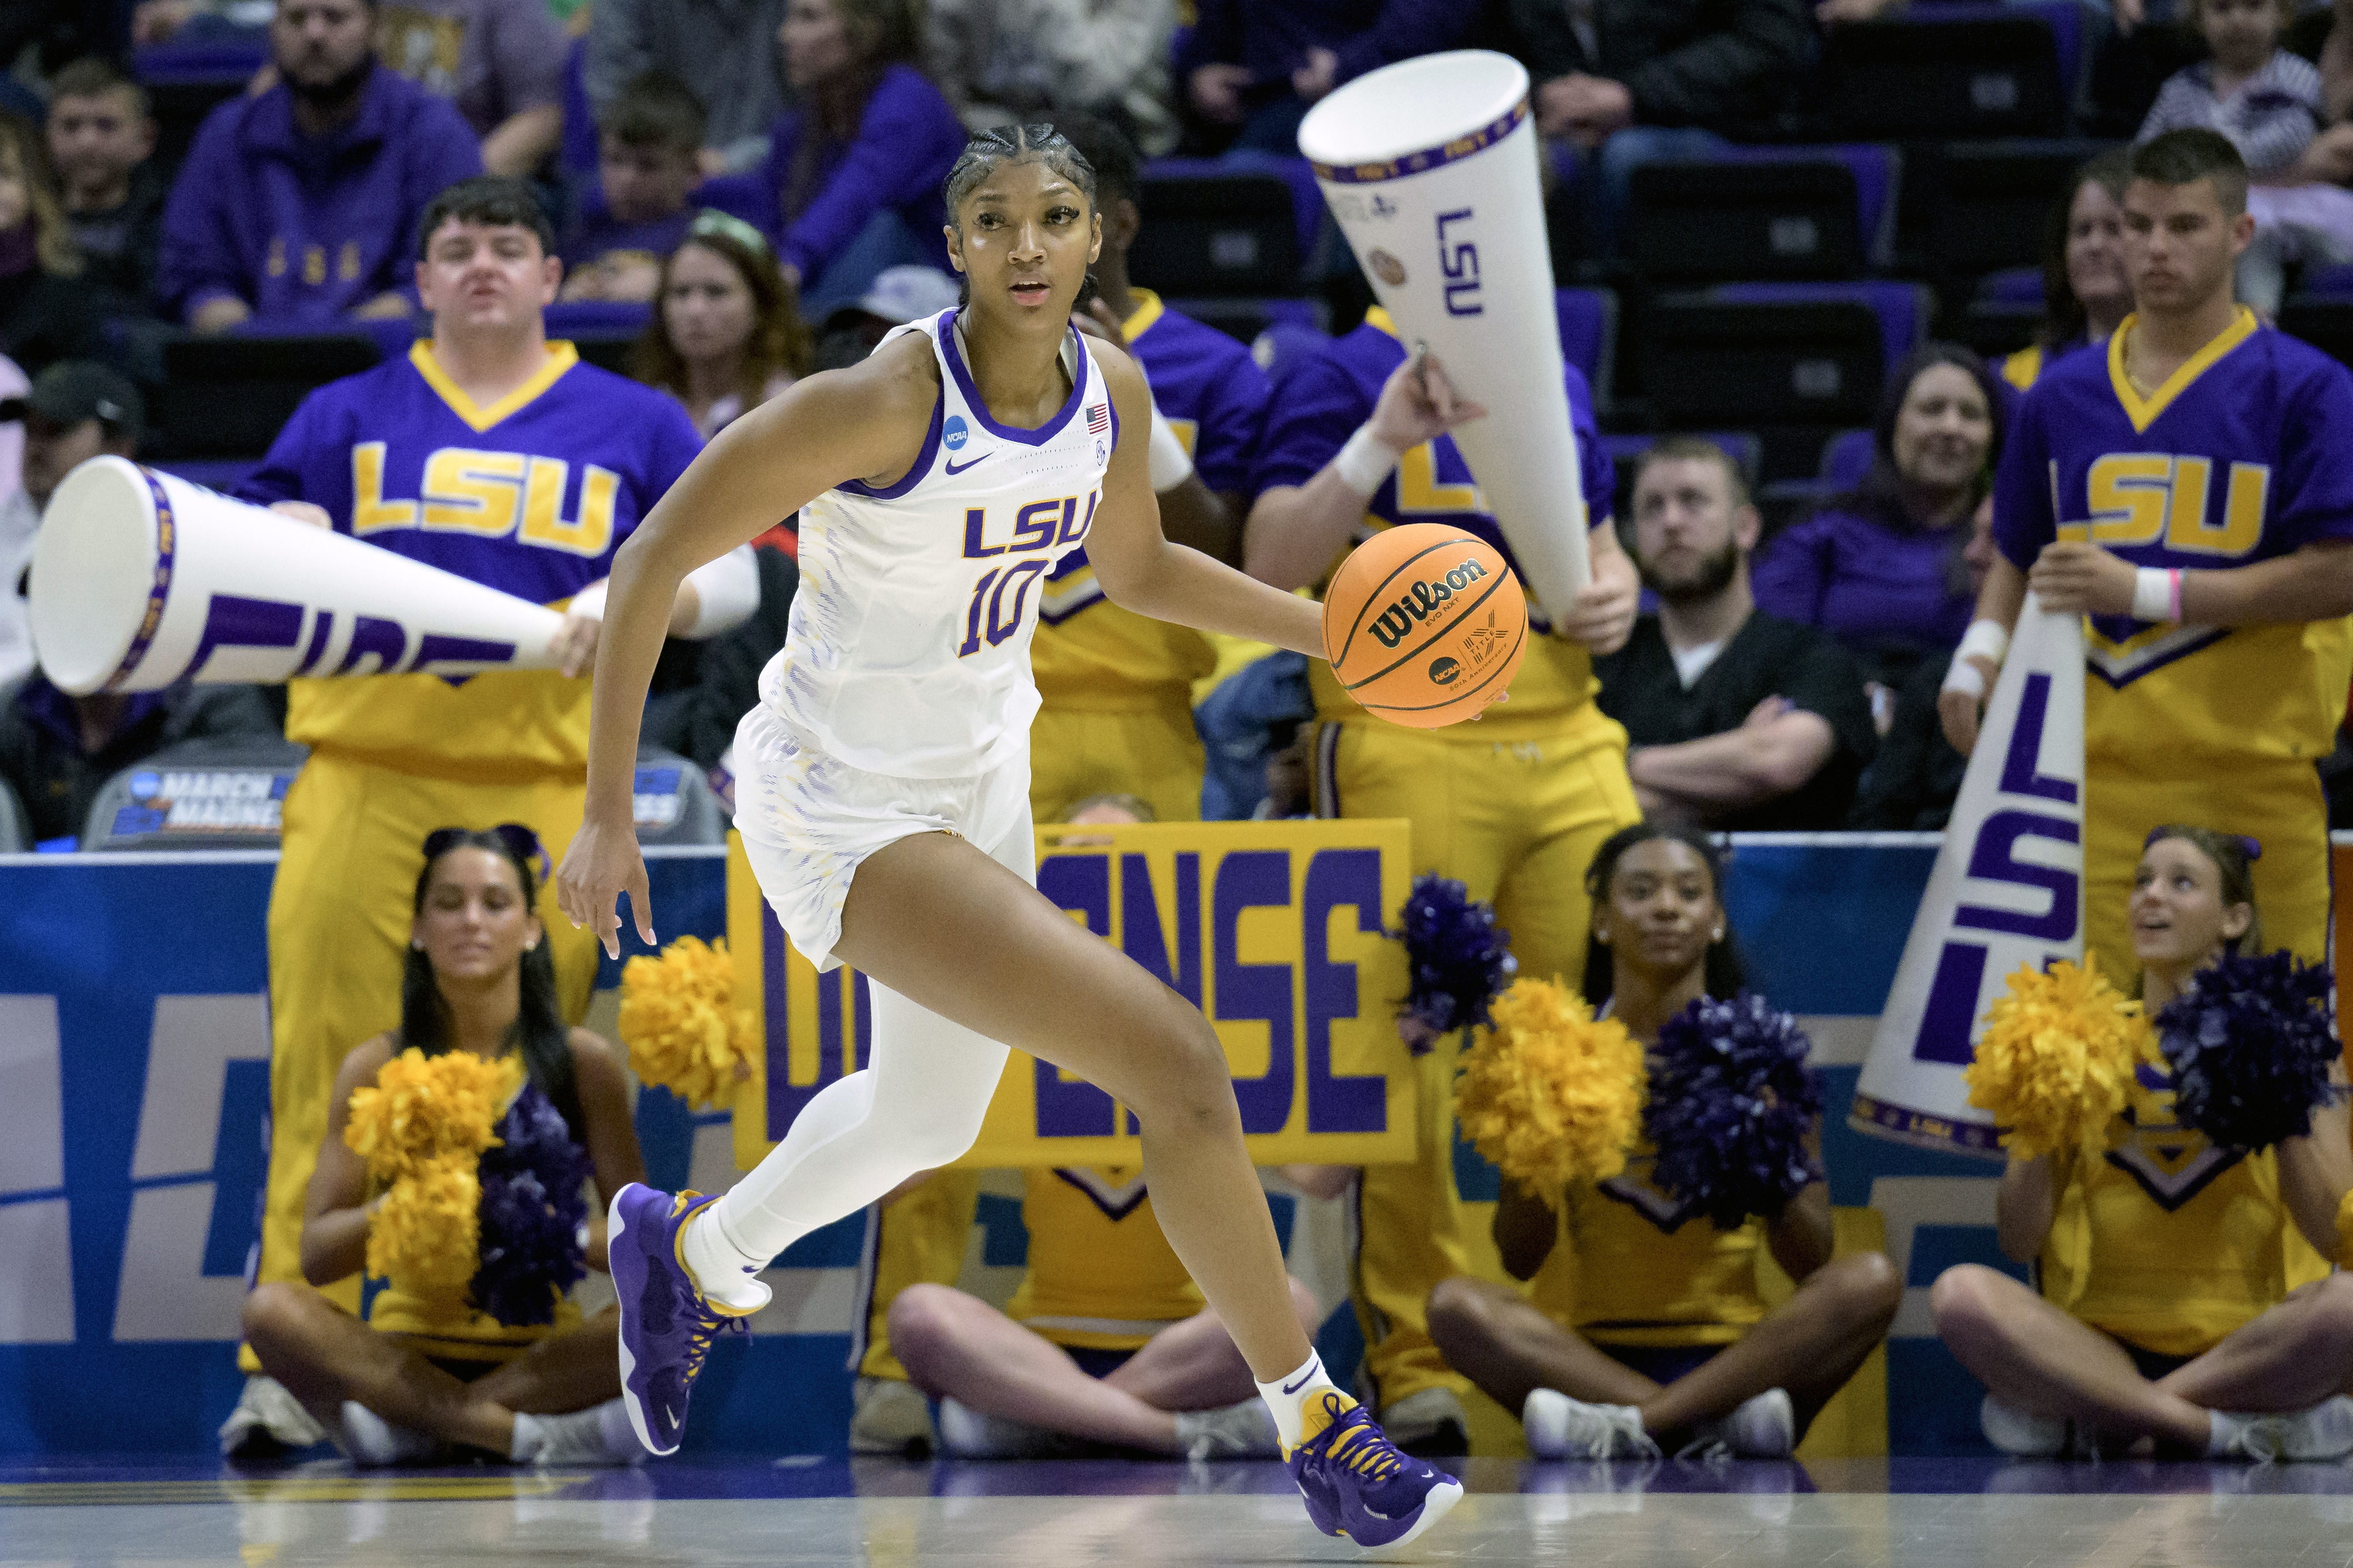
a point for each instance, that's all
(2326, 282)
(597, 319)
(1588, 335)
(1306, 196)
(210, 56)
(1954, 70)
(2064, 17)
(2012, 286)
(1878, 174)
(1903, 309)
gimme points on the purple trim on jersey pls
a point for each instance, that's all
(166, 550)
(1429, 158)
(945, 330)
(2118, 682)
(914, 476)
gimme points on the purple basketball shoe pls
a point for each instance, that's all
(1356, 1484)
(666, 1324)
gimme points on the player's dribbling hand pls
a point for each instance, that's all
(603, 863)
(2079, 579)
(1418, 404)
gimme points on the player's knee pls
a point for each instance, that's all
(271, 1316)
(1961, 1302)
(940, 1134)
(1191, 1085)
(922, 1327)
(1458, 1313)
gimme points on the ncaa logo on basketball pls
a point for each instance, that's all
(955, 433)
(1443, 670)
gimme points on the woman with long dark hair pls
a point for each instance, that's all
(1880, 568)
(1646, 1328)
(2086, 296)
(882, 794)
(424, 1377)
(2182, 1298)
(854, 174)
(726, 333)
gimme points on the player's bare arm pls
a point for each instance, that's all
(1141, 570)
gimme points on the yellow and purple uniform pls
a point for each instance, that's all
(1631, 1267)
(532, 495)
(1513, 807)
(2169, 1243)
(1100, 1275)
(2245, 455)
(1115, 718)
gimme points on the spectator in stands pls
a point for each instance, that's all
(1625, 82)
(500, 62)
(1880, 569)
(76, 410)
(57, 752)
(1736, 718)
(2324, 35)
(717, 47)
(2268, 102)
(898, 295)
(1911, 781)
(2183, 1297)
(1106, 1341)
(1253, 71)
(101, 140)
(49, 308)
(1001, 61)
(298, 205)
(1645, 1326)
(562, 461)
(2086, 296)
(853, 177)
(727, 333)
(424, 1375)
(648, 162)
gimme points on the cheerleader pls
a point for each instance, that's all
(1644, 1327)
(2179, 1302)
(429, 1374)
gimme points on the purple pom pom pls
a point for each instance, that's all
(531, 1211)
(2249, 1047)
(1732, 1104)
(1458, 960)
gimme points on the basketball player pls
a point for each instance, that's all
(1115, 689)
(1513, 807)
(2178, 1298)
(487, 451)
(882, 796)
(2190, 491)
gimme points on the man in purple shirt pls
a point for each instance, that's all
(299, 205)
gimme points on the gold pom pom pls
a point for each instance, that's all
(679, 1020)
(427, 1233)
(2057, 1060)
(1550, 1095)
(422, 1107)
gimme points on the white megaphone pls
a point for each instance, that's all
(141, 578)
(1430, 167)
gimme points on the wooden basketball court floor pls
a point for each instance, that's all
(707, 1512)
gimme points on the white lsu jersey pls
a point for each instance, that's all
(908, 649)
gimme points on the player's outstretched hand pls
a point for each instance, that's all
(603, 863)
(1418, 404)
(2080, 579)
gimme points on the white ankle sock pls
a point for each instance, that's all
(529, 1439)
(370, 1439)
(727, 1275)
(1286, 1398)
(2223, 1430)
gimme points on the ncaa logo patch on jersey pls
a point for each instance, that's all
(955, 433)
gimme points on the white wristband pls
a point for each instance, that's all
(2152, 594)
(1985, 639)
(1171, 464)
(1964, 677)
(1365, 461)
(589, 602)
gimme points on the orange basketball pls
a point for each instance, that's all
(1424, 625)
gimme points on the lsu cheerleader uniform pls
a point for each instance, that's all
(2245, 455)
(1116, 717)
(1513, 807)
(531, 494)
(2023, 368)
(2169, 1243)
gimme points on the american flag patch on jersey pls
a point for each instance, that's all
(1097, 418)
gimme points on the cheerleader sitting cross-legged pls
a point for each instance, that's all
(470, 1348)
(1644, 1329)
(2179, 1307)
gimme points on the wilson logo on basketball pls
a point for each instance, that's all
(1396, 623)
(1442, 670)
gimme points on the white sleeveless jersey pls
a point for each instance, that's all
(908, 649)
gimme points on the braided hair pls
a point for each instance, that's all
(991, 150)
